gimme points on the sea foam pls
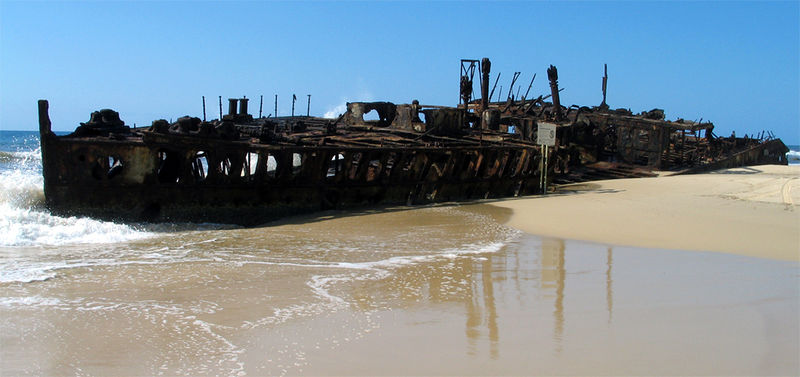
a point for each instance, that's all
(793, 156)
(25, 222)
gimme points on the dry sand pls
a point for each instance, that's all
(749, 211)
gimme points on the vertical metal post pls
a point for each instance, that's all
(220, 107)
(276, 105)
(605, 84)
(486, 67)
(546, 158)
(308, 109)
(204, 108)
(543, 170)
(45, 135)
(552, 76)
(529, 87)
(294, 98)
(260, 105)
(495, 86)
(683, 144)
(44, 118)
(513, 81)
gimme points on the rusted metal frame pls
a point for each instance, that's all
(449, 165)
(437, 166)
(633, 121)
(486, 159)
(665, 161)
(261, 166)
(466, 75)
(363, 140)
(283, 169)
(313, 166)
(90, 165)
(342, 165)
(384, 169)
(491, 164)
(420, 165)
(366, 142)
(461, 164)
(498, 162)
(193, 171)
(356, 158)
(235, 160)
(335, 159)
(524, 162)
(371, 156)
(429, 138)
(475, 171)
(282, 157)
(401, 166)
(683, 145)
(511, 163)
(368, 156)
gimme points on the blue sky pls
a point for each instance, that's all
(733, 63)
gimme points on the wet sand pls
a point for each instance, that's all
(553, 307)
(747, 211)
(444, 290)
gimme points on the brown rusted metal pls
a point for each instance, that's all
(243, 170)
(552, 75)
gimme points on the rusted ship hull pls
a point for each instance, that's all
(242, 170)
(162, 177)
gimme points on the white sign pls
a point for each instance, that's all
(546, 134)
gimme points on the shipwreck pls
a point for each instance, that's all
(248, 170)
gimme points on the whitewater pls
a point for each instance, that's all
(23, 219)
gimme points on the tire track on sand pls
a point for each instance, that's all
(786, 192)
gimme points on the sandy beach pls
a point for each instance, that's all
(676, 275)
(748, 211)
(636, 298)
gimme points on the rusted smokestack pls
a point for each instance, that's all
(552, 75)
(243, 106)
(232, 106)
(486, 67)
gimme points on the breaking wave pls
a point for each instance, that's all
(25, 222)
(793, 156)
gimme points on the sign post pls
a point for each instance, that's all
(546, 137)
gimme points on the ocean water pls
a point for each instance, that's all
(171, 275)
(794, 154)
(434, 290)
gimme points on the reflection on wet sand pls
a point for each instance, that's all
(552, 267)
(609, 281)
(477, 314)
(625, 311)
(552, 272)
(553, 277)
